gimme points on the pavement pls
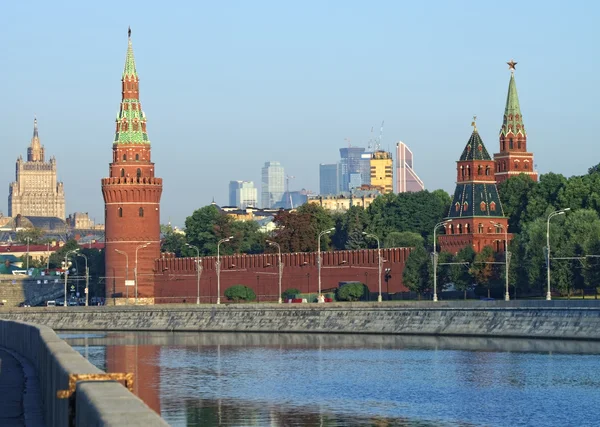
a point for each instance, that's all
(20, 402)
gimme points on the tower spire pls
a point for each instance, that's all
(513, 120)
(129, 70)
(35, 128)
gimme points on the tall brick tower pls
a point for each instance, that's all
(131, 197)
(513, 157)
(476, 211)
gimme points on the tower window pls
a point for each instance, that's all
(480, 228)
(526, 165)
(503, 146)
(122, 173)
(120, 212)
(141, 212)
(124, 157)
(516, 165)
(139, 173)
(487, 170)
(137, 157)
(479, 170)
(510, 143)
(519, 145)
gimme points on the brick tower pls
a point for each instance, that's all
(476, 204)
(131, 197)
(513, 157)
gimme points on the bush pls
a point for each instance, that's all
(240, 293)
(351, 291)
(289, 293)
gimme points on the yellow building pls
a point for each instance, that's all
(343, 201)
(382, 175)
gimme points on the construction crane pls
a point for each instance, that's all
(378, 141)
(287, 179)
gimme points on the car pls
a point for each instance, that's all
(50, 303)
(24, 304)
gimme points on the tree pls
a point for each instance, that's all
(514, 194)
(417, 275)
(175, 242)
(483, 269)
(460, 275)
(206, 227)
(289, 293)
(298, 231)
(238, 293)
(352, 291)
(58, 257)
(35, 235)
(403, 239)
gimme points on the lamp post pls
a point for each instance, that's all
(379, 263)
(558, 212)
(126, 272)
(87, 278)
(67, 272)
(438, 225)
(135, 270)
(506, 257)
(28, 240)
(198, 271)
(280, 265)
(227, 239)
(321, 234)
(48, 256)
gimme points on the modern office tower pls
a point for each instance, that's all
(382, 171)
(328, 179)
(246, 195)
(273, 181)
(365, 167)
(513, 158)
(407, 179)
(36, 192)
(233, 187)
(350, 163)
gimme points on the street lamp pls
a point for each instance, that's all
(126, 272)
(198, 271)
(558, 212)
(438, 225)
(506, 256)
(379, 263)
(28, 240)
(321, 234)
(67, 272)
(87, 278)
(280, 267)
(227, 239)
(135, 270)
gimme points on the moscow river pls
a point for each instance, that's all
(235, 379)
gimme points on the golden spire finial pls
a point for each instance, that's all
(474, 123)
(511, 65)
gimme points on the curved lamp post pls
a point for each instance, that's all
(280, 265)
(379, 263)
(321, 234)
(435, 255)
(553, 214)
(126, 271)
(87, 277)
(227, 239)
(506, 256)
(198, 271)
(67, 271)
(135, 270)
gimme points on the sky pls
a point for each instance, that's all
(229, 85)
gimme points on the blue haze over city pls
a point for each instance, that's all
(227, 86)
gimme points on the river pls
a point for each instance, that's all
(235, 379)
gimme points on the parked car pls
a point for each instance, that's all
(50, 303)
(24, 304)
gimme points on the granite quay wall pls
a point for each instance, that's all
(33, 290)
(105, 403)
(528, 319)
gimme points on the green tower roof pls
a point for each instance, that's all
(475, 149)
(129, 69)
(513, 119)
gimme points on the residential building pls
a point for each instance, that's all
(343, 201)
(382, 174)
(328, 179)
(513, 158)
(80, 221)
(36, 191)
(407, 179)
(273, 181)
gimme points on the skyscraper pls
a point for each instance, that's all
(233, 187)
(382, 174)
(328, 179)
(272, 187)
(351, 163)
(407, 179)
(513, 158)
(246, 195)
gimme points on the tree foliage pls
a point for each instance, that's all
(418, 271)
(33, 234)
(352, 291)
(238, 293)
(289, 293)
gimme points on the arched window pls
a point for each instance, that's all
(482, 206)
(487, 170)
(459, 229)
(462, 172)
(122, 172)
(467, 228)
(120, 212)
(526, 165)
(516, 164)
(457, 207)
(141, 212)
(503, 146)
(519, 145)
(492, 206)
(480, 228)
(139, 173)
(510, 143)
(479, 170)
(468, 171)
(451, 229)
(504, 165)
(137, 157)
(124, 157)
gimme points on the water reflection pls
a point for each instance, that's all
(245, 379)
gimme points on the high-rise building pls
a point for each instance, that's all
(513, 158)
(246, 195)
(132, 198)
(328, 179)
(35, 191)
(272, 188)
(233, 187)
(382, 171)
(476, 212)
(407, 179)
(350, 163)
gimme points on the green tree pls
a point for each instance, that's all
(483, 270)
(238, 293)
(175, 242)
(58, 257)
(205, 227)
(298, 231)
(35, 235)
(289, 293)
(417, 275)
(352, 291)
(403, 239)
(514, 194)
(460, 275)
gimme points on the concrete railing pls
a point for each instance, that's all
(95, 403)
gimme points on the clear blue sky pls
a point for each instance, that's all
(229, 85)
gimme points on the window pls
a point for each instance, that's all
(480, 228)
(457, 207)
(459, 229)
(510, 144)
(487, 170)
(519, 145)
(526, 165)
(482, 206)
(493, 206)
(139, 173)
(124, 157)
(462, 172)
(120, 212)
(479, 170)
(451, 229)
(503, 146)
(141, 212)
(516, 165)
(122, 172)
(467, 229)
(137, 157)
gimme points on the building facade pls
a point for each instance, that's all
(513, 158)
(407, 179)
(233, 187)
(352, 168)
(273, 181)
(343, 201)
(246, 195)
(328, 179)
(36, 191)
(475, 217)
(132, 197)
(382, 171)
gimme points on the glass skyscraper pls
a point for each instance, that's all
(273, 181)
(328, 179)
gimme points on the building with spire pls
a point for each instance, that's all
(132, 198)
(407, 179)
(513, 158)
(36, 191)
(475, 217)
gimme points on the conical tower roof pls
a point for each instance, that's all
(129, 70)
(513, 119)
(475, 149)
